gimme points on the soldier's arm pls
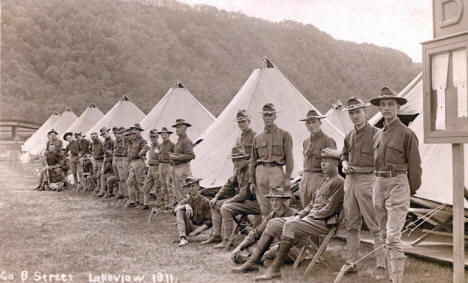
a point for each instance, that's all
(334, 202)
(187, 154)
(414, 162)
(345, 151)
(331, 143)
(143, 150)
(288, 154)
(253, 163)
(230, 185)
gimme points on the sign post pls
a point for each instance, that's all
(445, 61)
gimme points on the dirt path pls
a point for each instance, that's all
(74, 234)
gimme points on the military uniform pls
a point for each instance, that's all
(165, 167)
(201, 215)
(117, 160)
(152, 178)
(246, 138)
(73, 149)
(56, 142)
(97, 151)
(83, 148)
(181, 166)
(52, 158)
(137, 168)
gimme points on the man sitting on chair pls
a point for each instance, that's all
(193, 213)
(279, 201)
(243, 201)
(315, 218)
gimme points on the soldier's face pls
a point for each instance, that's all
(165, 136)
(313, 125)
(51, 147)
(328, 165)
(181, 129)
(193, 190)
(53, 135)
(389, 108)
(357, 116)
(243, 125)
(94, 137)
(239, 163)
(276, 204)
(69, 138)
(268, 118)
(79, 138)
(154, 138)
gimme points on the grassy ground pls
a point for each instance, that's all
(74, 233)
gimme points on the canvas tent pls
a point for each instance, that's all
(436, 159)
(339, 118)
(265, 84)
(61, 125)
(30, 143)
(178, 102)
(123, 114)
(87, 119)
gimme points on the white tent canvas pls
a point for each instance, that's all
(87, 119)
(66, 119)
(123, 114)
(178, 103)
(339, 118)
(31, 142)
(266, 84)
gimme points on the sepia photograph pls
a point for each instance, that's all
(228, 141)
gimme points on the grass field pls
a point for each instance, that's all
(75, 234)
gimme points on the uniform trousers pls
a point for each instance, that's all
(185, 224)
(164, 177)
(136, 179)
(311, 181)
(97, 166)
(266, 178)
(231, 210)
(179, 173)
(120, 165)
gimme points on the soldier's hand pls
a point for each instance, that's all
(235, 254)
(213, 202)
(188, 210)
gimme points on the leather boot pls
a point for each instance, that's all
(397, 266)
(251, 264)
(274, 270)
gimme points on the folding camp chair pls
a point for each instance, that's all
(238, 224)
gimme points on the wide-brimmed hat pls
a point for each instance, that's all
(355, 103)
(66, 135)
(269, 108)
(52, 131)
(330, 153)
(278, 192)
(388, 93)
(153, 132)
(181, 121)
(121, 130)
(78, 134)
(104, 130)
(190, 180)
(137, 127)
(242, 115)
(312, 114)
(128, 132)
(237, 153)
(164, 130)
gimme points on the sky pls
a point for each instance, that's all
(398, 24)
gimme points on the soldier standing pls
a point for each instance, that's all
(73, 149)
(108, 149)
(398, 175)
(247, 135)
(312, 146)
(271, 150)
(83, 148)
(152, 178)
(119, 161)
(183, 154)
(97, 151)
(358, 165)
(165, 168)
(52, 139)
(137, 167)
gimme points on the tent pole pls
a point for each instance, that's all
(458, 213)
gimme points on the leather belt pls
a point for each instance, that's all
(388, 174)
(269, 164)
(152, 164)
(168, 162)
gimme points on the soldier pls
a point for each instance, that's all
(279, 200)
(180, 159)
(398, 175)
(73, 149)
(315, 218)
(233, 199)
(97, 151)
(152, 178)
(89, 181)
(107, 178)
(193, 213)
(165, 168)
(247, 135)
(127, 136)
(119, 162)
(108, 150)
(51, 157)
(358, 165)
(271, 150)
(83, 148)
(52, 139)
(312, 146)
(137, 166)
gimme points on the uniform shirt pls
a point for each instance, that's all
(245, 140)
(166, 148)
(58, 144)
(272, 145)
(73, 148)
(184, 150)
(108, 146)
(127, 145)
(97, 149)
(119, 146)
(256, 233)
(396, 149)
(52, 158)
(238, 185)
(83, 147)
(358, 147)
(201, 209)
(153, 156)
(328, 200)
(312, 147)
(138, 148)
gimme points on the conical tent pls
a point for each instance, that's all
(178, 103)
(30, 143)
(87, 119)
(123, 114)
(339, 118)
(436, 159)
(265, 84)
(66, 119)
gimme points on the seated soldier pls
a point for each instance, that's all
(89, 183)
(279, 200)
(243, 201)
(106, 173)
(315, 218)
(57, 178)
(51, 157)
(193, 213)
(64, 162)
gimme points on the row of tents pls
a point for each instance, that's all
(216, 136)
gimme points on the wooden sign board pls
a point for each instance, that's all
(445, 89)
(449, 17)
